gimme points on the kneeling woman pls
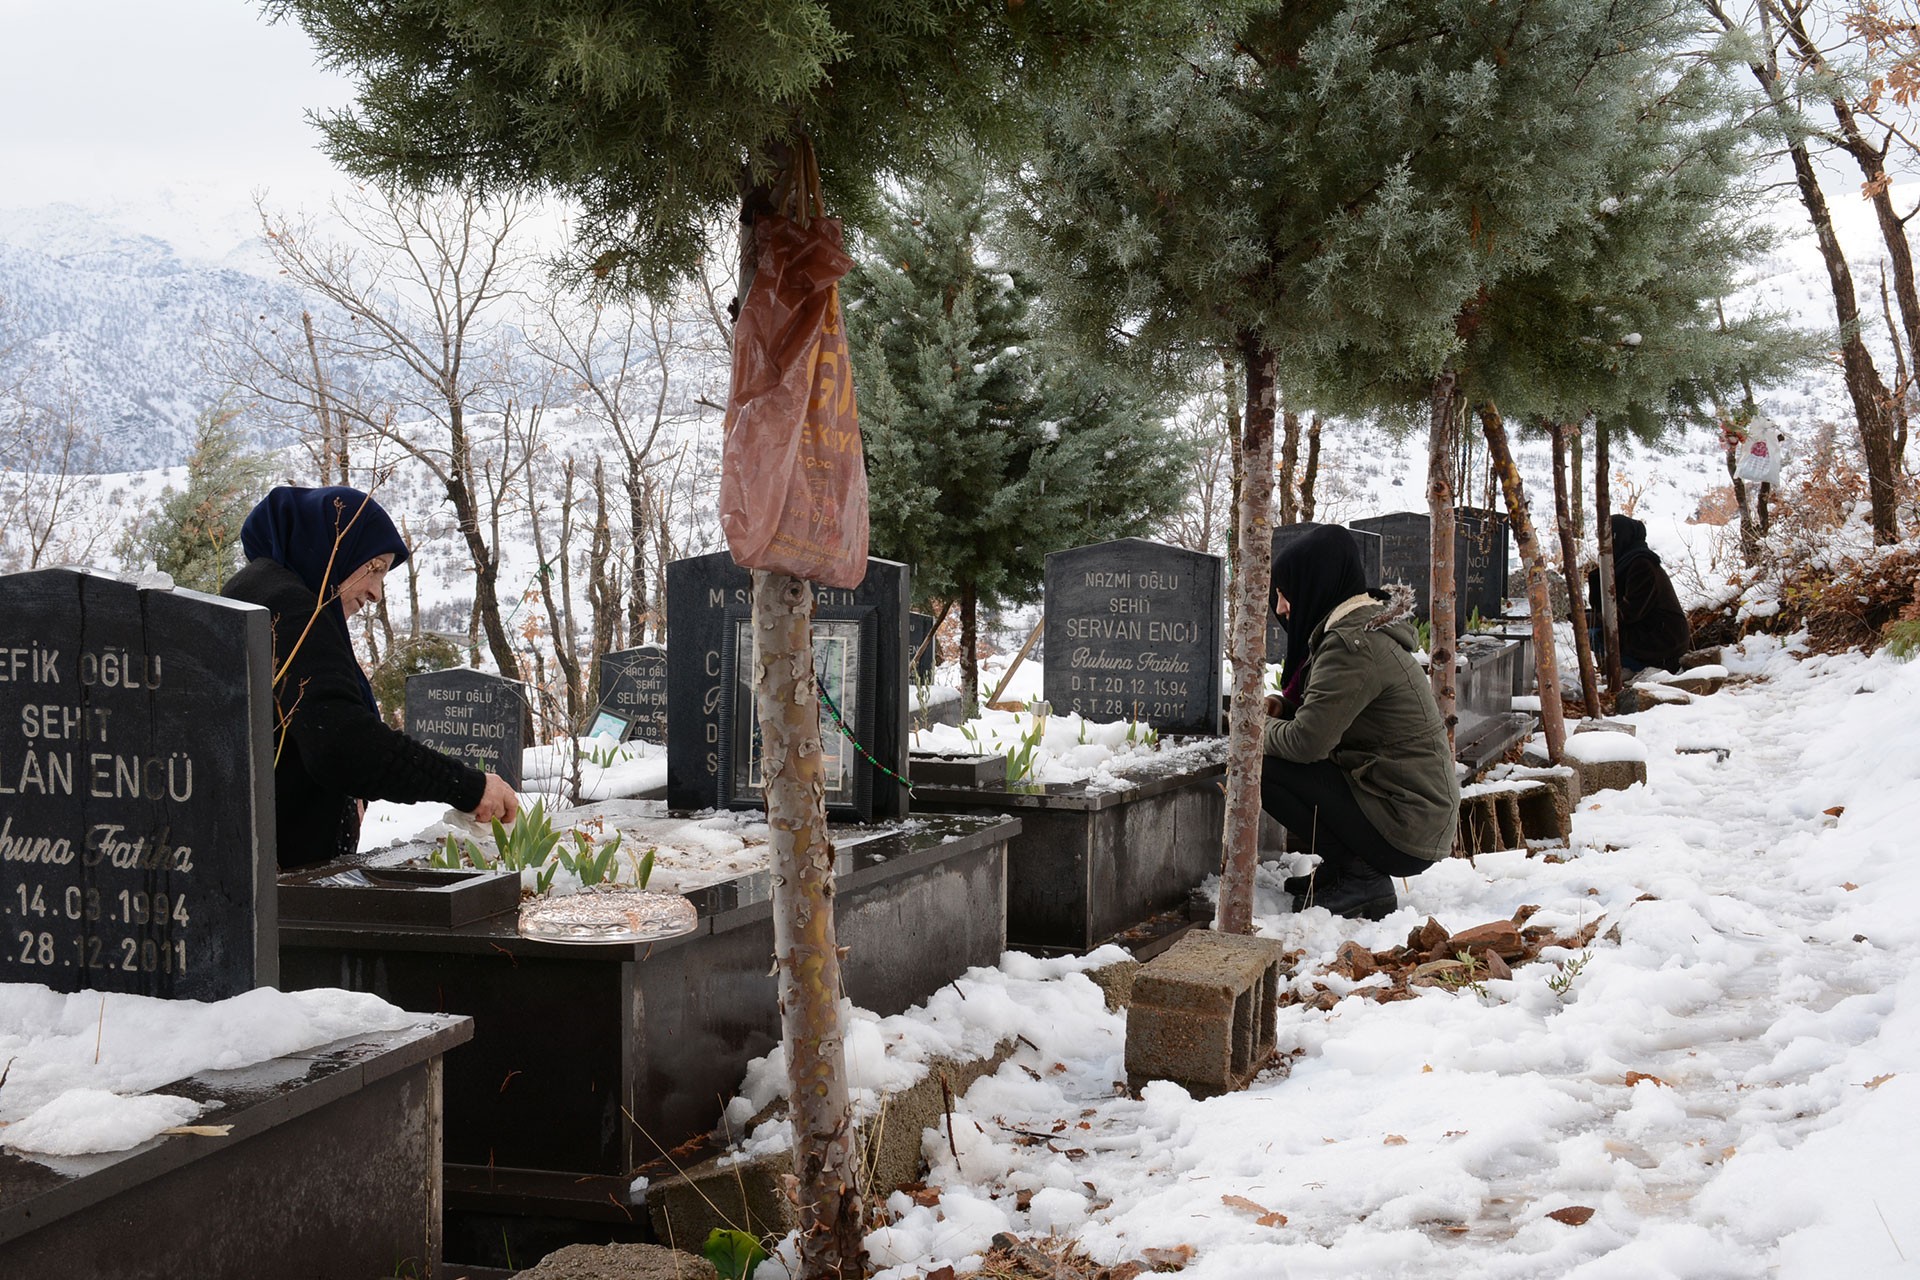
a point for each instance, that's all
(315, 557)
(1357, 764)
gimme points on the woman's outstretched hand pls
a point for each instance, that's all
(1275, 708)
(497, 802)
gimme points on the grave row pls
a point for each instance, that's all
(121, 715)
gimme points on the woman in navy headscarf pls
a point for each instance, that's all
(316, 557)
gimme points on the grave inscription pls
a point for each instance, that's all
(1133, 631)
(476, 718)
(633, 687)
(136, 801)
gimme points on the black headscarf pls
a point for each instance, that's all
(1315, 572)
(323, 536)
(1629, 541)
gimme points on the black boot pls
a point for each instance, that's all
(1360, 894)
(1318, 880)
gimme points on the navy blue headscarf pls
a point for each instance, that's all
(1315, 572)
(299, 528)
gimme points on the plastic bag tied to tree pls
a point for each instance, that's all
(793, 481)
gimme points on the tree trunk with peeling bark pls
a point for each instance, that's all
(1603, 523)
(1570, 571)
(1442, 428)
(1289, 466)
(1872, 406)
(806, 951)
(1310, 475)
(1546, 663)
(1253, 583)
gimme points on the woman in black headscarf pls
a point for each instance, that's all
(316, 557)
(1357, 763)
(1653, 626)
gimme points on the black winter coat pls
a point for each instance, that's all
(336, 748)
(1653, 626)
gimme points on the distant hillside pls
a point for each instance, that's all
(118, 320)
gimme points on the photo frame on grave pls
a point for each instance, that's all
(845, 662)
(606, 724)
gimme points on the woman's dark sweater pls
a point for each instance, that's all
(333, 748)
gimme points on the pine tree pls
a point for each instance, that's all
(662, 120)
(1323, 187)
(987, 445)
(195, 535)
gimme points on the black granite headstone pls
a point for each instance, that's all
(861, 655)
(1369, 546)
(1133, 632)
(633, 690)
(1479, 559)
(136, 789)
(919, 627)
(1480, 562)
(474, 717)
(1406, 544)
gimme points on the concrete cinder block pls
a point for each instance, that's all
(1203, 1013)
(1116, 982)
(1544, 812)
(748, 1196)
(1610, 775)
(1479, 824)
(1506, 809)
(621, 1262)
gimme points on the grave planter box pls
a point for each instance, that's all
(1089, 864)
(332, 1169)
(590, 1060)
(957, 771)
(1488, 724)
(399, 895)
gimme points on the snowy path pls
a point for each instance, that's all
(1757, 960)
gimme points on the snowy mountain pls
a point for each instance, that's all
(116, 322)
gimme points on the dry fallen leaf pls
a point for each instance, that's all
(1573, 1215)
(199, 1130)
(1877, 1081)
(1635, 1077)
(1394, 1140)
(1176, 1257)
(1836, 811)
(1454, 1133)
(1426, 1069)
(1848, 885)
(941, 1273)
(1264, 1216)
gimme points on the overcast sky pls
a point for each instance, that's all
(106, 97)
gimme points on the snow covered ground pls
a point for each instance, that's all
(1729, 1077)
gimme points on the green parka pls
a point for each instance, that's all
(1368, 707)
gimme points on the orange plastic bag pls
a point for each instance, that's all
(793, 479)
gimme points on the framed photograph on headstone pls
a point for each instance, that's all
(608, 725)
(706, 596)
(843, 664)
